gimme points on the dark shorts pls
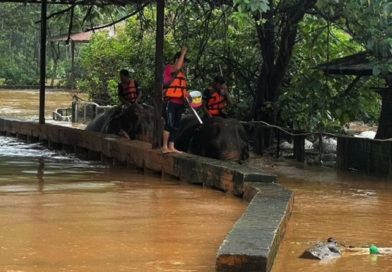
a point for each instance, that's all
(172, 115)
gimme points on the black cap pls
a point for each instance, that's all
(178, 54)
(219, 79)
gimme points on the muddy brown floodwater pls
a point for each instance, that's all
(355, 209)
(58, 213)
(24, 104)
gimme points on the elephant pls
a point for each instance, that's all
(135, 120)
(218, 138)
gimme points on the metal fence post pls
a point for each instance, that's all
(259, 141)
(299, 147)
(320, 148)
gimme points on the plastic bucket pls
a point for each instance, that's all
(196, 99)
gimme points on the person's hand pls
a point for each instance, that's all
(184, 50)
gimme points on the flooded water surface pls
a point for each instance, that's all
(355, 209)
(24, 104)
(58, 213)
(61, 214)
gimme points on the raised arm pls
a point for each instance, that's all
(180, 61)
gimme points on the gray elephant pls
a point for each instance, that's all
(217, 138)
(136, 121)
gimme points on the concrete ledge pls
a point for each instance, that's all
(253, 242)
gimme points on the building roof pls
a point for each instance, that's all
(360, 64)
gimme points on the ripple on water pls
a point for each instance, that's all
(354, 209)
(64, 214)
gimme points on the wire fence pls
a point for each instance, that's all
(84, 112)
(324, 144)
(264, 138)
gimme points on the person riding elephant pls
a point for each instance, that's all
(216, 98)
(218, 138)
(128, 89)
(134, 122)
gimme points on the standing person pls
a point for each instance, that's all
(128, 89)
(216, 98)
(175, 92)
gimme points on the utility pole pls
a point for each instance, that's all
(42, 80)
(159, 63)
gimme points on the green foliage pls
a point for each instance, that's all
(20, 41)
(221, 40)
(252, 5)
(105, 56)
(370, 23)
(318, 101)
(112, 88)
(18, 37)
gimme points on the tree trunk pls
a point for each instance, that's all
(385, 122)
(276, 52)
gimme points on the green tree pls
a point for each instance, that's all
(311, 100)
(370, 23)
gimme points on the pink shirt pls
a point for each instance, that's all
(167, 77)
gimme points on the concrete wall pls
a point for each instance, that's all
(371, 157)
(253, 242)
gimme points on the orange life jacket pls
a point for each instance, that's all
(216, 103)
(178, 88)
(129, 91)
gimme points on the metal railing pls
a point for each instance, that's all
(83, 112)
(262, 130)
(62, 114)
(80, 112)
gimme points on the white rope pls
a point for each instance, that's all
(334, 135)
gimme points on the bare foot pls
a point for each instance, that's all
(166, 150)
(176, 151)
